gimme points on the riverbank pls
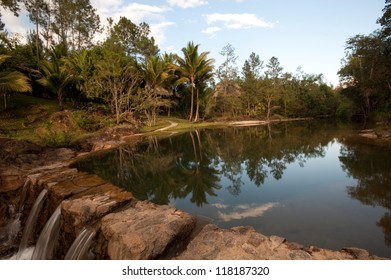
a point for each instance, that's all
(88, 200)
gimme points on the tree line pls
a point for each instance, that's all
(128, 73)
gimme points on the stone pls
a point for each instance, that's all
(239, 243)
(79, 210)
(357, 253)
(145, 231)
(11, 179)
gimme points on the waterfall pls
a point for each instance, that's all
(30, 223)
(47, 240)
(81, 245)
(23, 195)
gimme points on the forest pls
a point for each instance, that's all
(126, 78)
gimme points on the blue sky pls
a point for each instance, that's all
(306, 33)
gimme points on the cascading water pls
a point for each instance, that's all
(30, 224)
(47, 240)
(23, 195)
(81, 245)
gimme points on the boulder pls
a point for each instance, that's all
(145, 231)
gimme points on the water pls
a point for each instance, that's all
(81, 245)
(31, 222)
(312, 183)
(44, 249)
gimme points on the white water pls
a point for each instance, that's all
(48, 238)
(81, 245)
(23, 195)
(31, 222)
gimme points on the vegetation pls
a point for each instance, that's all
(367, 71)
(127, 77)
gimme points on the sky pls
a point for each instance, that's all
(310, 34)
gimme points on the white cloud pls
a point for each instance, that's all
(158, 31)
(211, 30)
(243, 211)
(16, 25)
(137, 13)
(237, 21)
(184, 4)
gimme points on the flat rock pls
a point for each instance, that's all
(144, 231)
(79, 210)
(244, 243)
(239, 243)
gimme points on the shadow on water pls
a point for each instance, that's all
(264, 176)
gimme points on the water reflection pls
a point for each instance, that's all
(192, 164)
(373, 174)
(299, 180)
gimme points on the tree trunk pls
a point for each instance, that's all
(197, 116)
(191, 102)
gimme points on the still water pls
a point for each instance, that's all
(312, 183)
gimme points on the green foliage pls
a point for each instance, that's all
(89, 120)
(366, 72)
(56, 138)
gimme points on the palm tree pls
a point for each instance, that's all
(12, 81)
(191, 69)
(155, 74)
(55, 77)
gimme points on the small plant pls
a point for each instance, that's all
(50, 137)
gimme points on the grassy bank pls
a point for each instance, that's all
(42, 121)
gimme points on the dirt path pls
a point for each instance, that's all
(172, 124)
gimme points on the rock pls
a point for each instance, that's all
(242, 243)
(144, 231)
(11, 179)
(88, 207)
(357, 253)
(79, 210)
(299, 255)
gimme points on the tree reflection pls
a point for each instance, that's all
(370, 165)
(192, 164)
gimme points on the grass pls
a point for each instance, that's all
(41, 121)
(182, 125)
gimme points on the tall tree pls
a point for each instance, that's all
(154, 95)
(273, 79)
(194, 69)
(38, 13)
(135, 39)
(227, 72)
(75, 22)
(251, 73)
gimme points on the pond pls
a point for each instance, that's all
(310, 182)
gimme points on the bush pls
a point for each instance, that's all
(88, 121)
(55, 138)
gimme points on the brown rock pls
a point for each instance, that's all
(144, 231)
(10, 179)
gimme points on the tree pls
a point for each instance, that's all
(227, 72)
(251, 73)
(194, 69)
(12, 81)
(272, 83)
(38, 11)
(134, 39)
(154, 95)
(74, 22)
(385, 20)
(116, 79)
(55, 77)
